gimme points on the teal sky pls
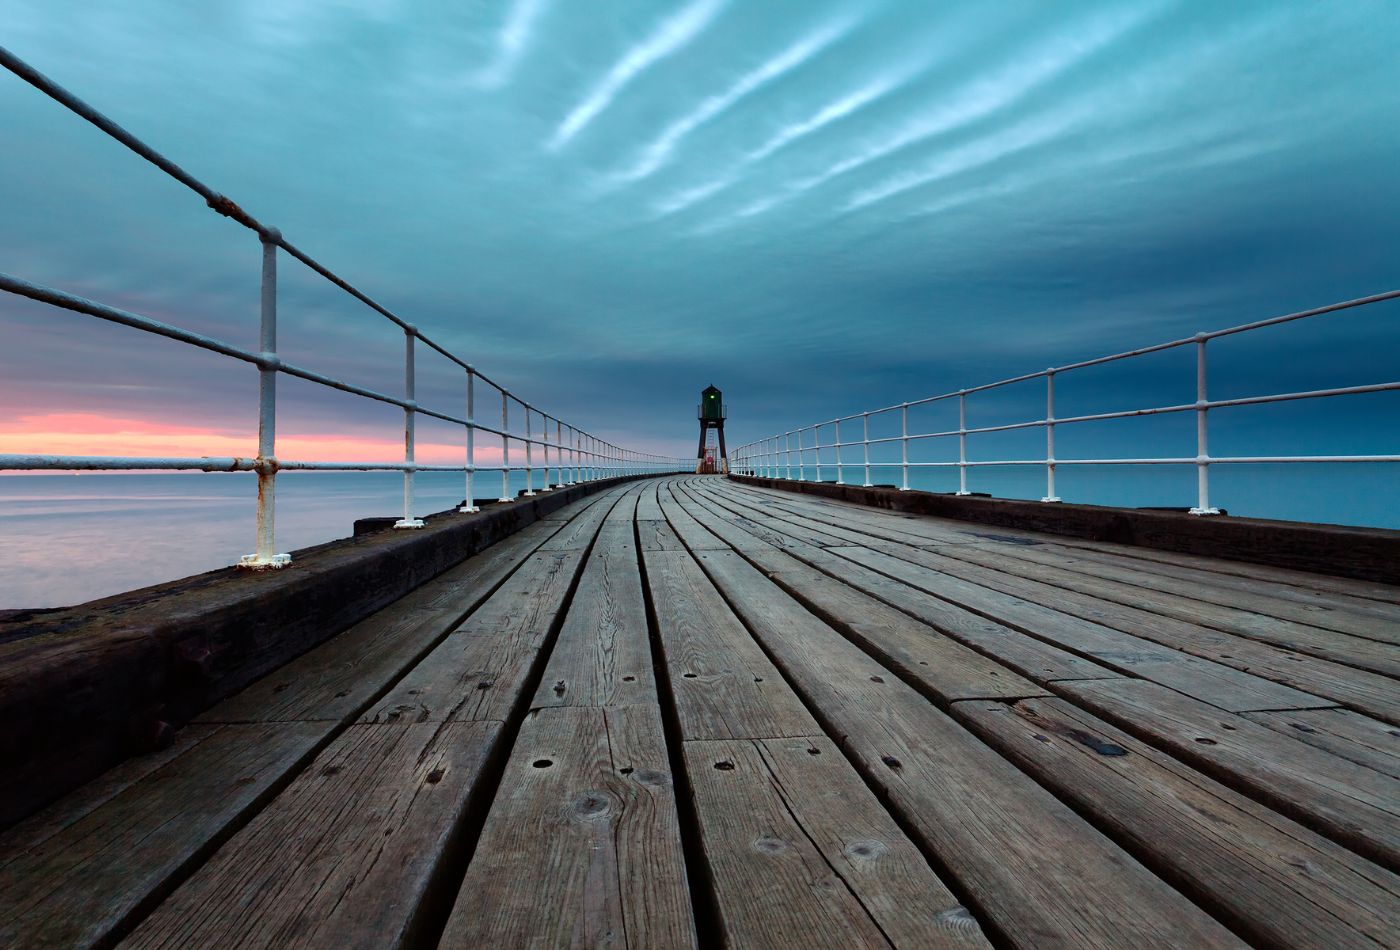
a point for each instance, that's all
(818, 206)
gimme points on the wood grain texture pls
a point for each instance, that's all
(1034, 659)
(95, 877)
(602, 656)
(1350, 649)
(582, 845)
(625, 510)
(477, 672)
(1349, 803)
(690, 531)
(1215, 683)
(345, 855)
(647, 507)
(803, 855)
(1372, 693)
(1274, 881)
(577, 534)
(1341, 732)
(943, 667)
(658, 535)
(1036, 870)
(724, 686)
(1329, 609)
(336, 679)
(31, 833)
(1302, 580)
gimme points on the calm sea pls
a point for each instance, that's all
(71, 538)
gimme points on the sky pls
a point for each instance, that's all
(820, 206)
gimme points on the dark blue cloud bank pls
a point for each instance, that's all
(819, 206)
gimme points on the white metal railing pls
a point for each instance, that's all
(786, 455)
(578, 456)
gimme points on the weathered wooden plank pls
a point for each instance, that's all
(755, 530)
(690, 531)
(575, 508)
(647, 507)
(625, 510)
(658, 536)
(1249, 614)
(801, 853)
(478, 670)
(1275, 580)
(838, 523)
(31, 833)
(1034, 659)
(335, 680)
(92, 880)
(1112, 648)
(1215, 683)
(1033, 868)
(1038, 661)
(1330, 645)
(1222, 588)
(1341, 732)
(578, 533)
(1349, 803)
(1303, 580)
(1323, 679)
(602, 656)
(345, 855)
(1233, 856)
(939, 665)
(581, 846)
(724, 686)
(1371, 692)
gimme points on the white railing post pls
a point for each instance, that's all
(1050, 436)
(505, 449)
(469, 503)
(817, 445)
(559, 455)
(801, 459)
(840, 469)
(529, 456)
(787, 454)
(410, 413)
(904, 447)
(544, 444)
(1202, 446)
(865, 437)
(962, 444)
(263, 556)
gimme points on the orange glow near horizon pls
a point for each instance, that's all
(94, 434)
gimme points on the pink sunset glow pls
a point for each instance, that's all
(96, 434)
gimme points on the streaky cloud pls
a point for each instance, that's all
(1024, 135)
(978, 100)
(839, 108)
(661, 148)
(511, 43)
(669, 38)
(684, 199)
(1159, 79)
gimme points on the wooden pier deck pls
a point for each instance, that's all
(691, 712)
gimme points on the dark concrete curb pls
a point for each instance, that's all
(83, 687)
(1369, 554)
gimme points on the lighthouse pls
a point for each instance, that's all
(711, 415)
